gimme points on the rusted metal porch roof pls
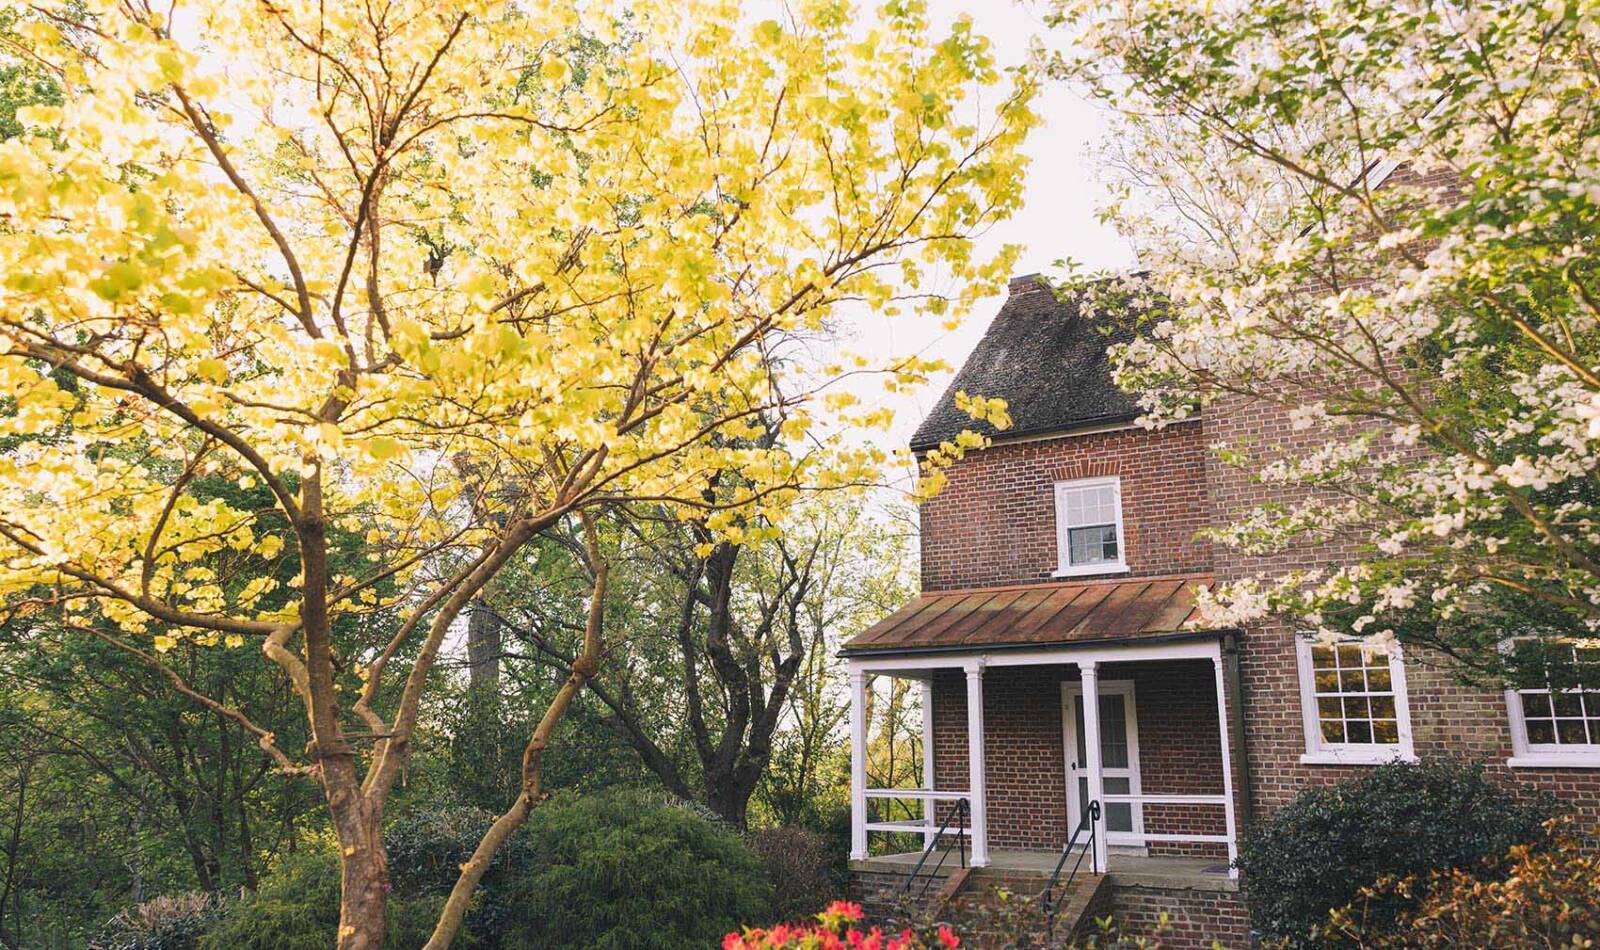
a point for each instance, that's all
(1036, 614)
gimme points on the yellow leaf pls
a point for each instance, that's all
(212, 369)
(382, 448)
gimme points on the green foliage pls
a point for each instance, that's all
(1396, 821)
(297, 908)
(618, 869)
(629, 871)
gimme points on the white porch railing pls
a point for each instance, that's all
(1220, 801)
(928, 824)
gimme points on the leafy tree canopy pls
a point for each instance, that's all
(1434, 336)
(438, 277)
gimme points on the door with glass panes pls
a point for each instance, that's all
(1119, 759)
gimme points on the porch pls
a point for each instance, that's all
(1129, 869)
(1103, 731)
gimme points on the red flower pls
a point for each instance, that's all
(948, 939)
(846, 909)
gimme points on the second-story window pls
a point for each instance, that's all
(1089, 535)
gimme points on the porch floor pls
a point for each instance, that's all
(1126, 870)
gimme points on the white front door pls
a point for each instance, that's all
(1119, 759)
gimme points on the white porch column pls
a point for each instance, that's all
(1090, 673)
(1227, 765)
(929, 811)
(858, 764)
(977, 780)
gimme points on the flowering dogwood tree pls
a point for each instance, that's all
(436, 277)
(1381, 218)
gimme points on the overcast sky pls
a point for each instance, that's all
(1057, 220)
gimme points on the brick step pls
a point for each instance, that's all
(883, 895)
(969, 899)
(978, 908)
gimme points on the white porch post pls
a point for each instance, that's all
(1088, 670)
(930, 813)
(1227, 765)
(858, 764)
(977, 780)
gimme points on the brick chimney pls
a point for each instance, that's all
(1026, 284)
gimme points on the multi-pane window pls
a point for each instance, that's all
(1355, 695)
(1563, 717)
(1354, 703)
(1089, 526)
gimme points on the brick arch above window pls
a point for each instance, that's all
(1097, 468)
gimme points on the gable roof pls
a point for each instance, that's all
(1038, 615)
(1046, 361)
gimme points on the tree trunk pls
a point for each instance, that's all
(363, 875)
(483, 649)
(730, 799)
(357, 816)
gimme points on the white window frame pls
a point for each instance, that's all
(1321, 752)
(1529, 755)
(1064, 565)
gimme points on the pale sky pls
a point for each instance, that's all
(1057, 220)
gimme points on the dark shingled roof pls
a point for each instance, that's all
(1046, 361)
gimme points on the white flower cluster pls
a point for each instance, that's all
(1343, 218)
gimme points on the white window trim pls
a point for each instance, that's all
(1319, 752)
(1064, 567)
(1527, 755)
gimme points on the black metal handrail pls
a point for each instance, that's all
(957, 814)
(1049, 902)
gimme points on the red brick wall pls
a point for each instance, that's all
(1195, 918)
(1180, 749)
(1023, 750)
(1179, 753)
(1446, 717)
(994, 523)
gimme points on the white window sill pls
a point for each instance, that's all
(1089, 569)
(1586, 759)
(1376, 756)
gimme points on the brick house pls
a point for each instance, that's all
(1053, 648)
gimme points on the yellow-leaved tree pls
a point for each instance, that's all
(435, 277)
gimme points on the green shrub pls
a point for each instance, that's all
(1394, 821)
(297, 908)
(629, 871)
(611, 869)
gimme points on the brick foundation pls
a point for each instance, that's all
(1195, 918)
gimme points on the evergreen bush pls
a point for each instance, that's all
(628, 870)
(1395, 821)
